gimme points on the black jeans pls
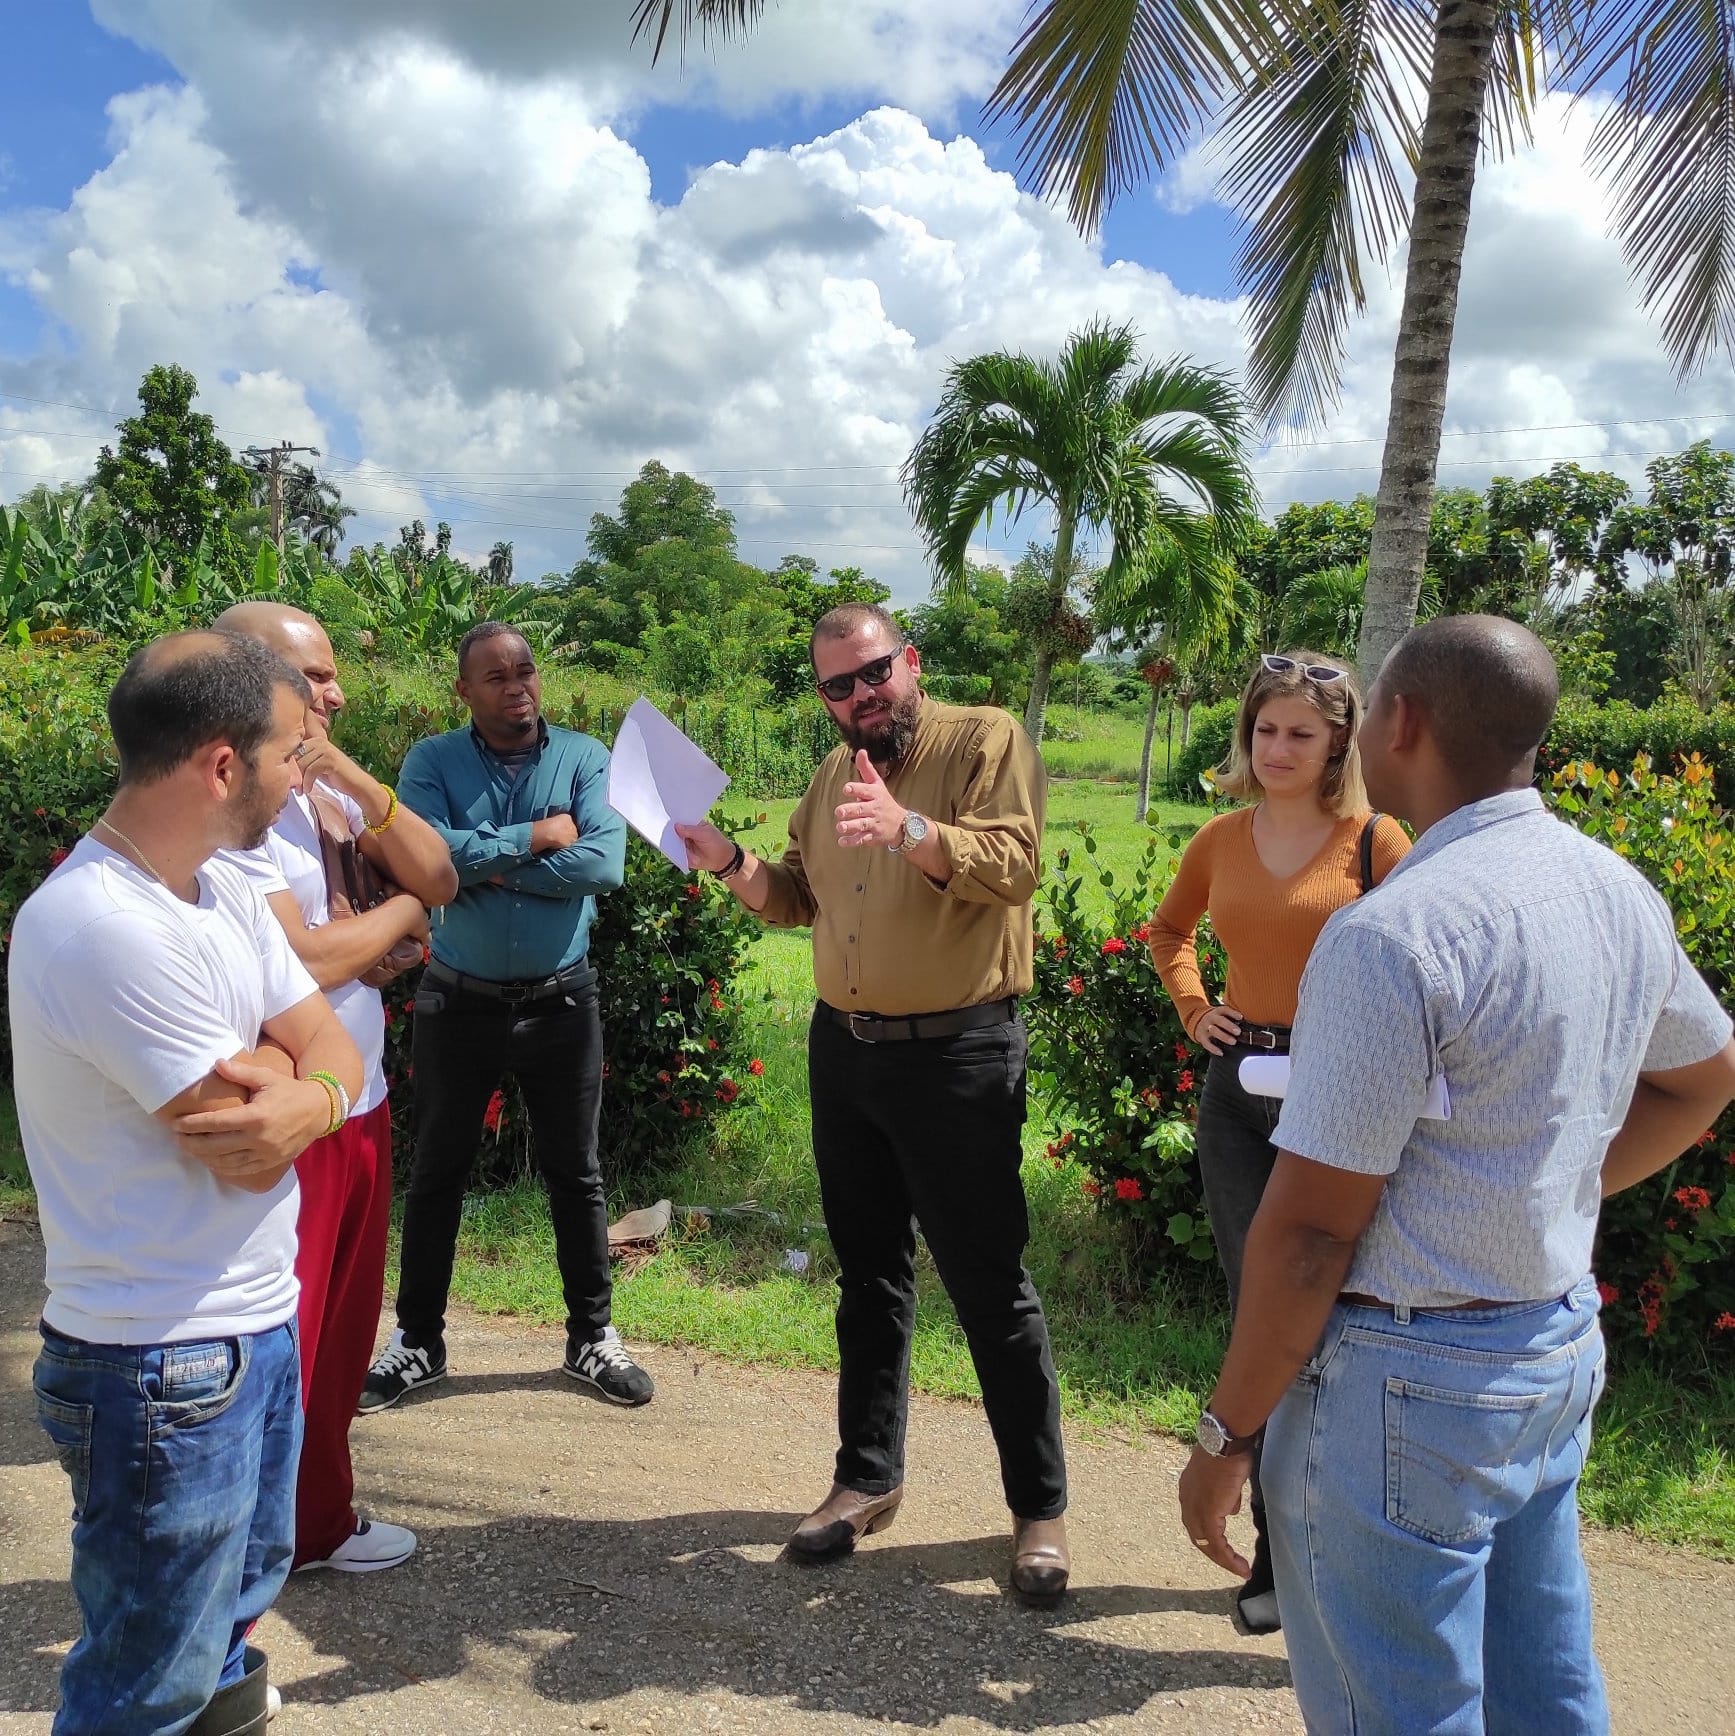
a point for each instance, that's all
(1236, 1158)
(927, 1133)
(463, 1047)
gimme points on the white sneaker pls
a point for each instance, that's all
(372, 1545)
(273, 1702)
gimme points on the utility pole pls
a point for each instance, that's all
(269, 461)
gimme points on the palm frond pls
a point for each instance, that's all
(1667, 147)
(1108, 92)
(1317, 153)
(711, 21)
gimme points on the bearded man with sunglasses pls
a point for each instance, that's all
(913, 857)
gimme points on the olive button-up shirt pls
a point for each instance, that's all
(886, 938)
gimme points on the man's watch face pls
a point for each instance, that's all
(915, 830)
(1213, 1437)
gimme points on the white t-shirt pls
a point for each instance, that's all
(290, 861)
(122, 996)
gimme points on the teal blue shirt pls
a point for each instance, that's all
(537, 920)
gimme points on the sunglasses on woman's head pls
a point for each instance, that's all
(1321, 674)
(838, 688)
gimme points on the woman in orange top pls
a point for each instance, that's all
(1269, 874)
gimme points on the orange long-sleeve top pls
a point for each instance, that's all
(1267, 925)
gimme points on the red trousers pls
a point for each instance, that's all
(346, 1204)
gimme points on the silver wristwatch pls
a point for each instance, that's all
(1216, 1440)
(915, 830)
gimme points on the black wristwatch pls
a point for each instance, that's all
(736, 862)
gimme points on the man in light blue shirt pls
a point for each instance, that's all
(510, 990)
(1418, 1318)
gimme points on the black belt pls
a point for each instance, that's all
(579, 976)
(1273, 1039)
(872, 1028)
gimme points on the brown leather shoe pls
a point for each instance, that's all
(841, 1521)
(1041, 1561)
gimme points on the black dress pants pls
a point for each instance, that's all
(463, 1046)
(1236, 1158)
(927, 1133)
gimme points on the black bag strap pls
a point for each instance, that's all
(1367, 852)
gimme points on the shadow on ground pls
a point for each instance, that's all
(700, 1603)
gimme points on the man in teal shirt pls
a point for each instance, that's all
(510, 990)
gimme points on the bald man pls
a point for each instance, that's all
(172, 1056)
(346, 1178)
(1502, 1033)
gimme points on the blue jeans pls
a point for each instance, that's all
(1421, 1481)
(182, 1461)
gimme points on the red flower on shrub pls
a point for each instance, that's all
(692, 889)
(728, 1091)
(1692, 1199)
(711, 1043)
(1182, 1052)
(1651, 1304)
(756, 1067)
(1126, 1188)
(1185, 1081)
(1093, 1188)
(1609, 1294)
(1705, 1138)
(42, 813)
(57, 856)
(1075, 985)
(1060, 946)
(663, 1077)
(1142, 934)
(491, 1115)
(1114, 944)
(1725, 1322)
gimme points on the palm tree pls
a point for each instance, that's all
(314, 506)
(1151, 455)
(500, 564)
(1324, 111)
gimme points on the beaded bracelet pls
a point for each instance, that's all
(339, 1098)
(391, 810)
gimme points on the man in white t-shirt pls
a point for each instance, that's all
(172, 1057)
(346, 1178)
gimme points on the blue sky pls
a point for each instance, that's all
(490, 262)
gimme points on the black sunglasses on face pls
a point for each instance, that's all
(838, 688)
(1320, 674)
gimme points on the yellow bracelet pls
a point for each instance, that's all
(391, 810)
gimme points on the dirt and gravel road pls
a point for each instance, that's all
(584, 1568)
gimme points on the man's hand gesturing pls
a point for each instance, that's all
(872, 815)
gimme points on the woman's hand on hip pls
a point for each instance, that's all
(1217, 1029)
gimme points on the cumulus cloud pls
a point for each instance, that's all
(430, 247)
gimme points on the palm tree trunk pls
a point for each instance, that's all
(1036, 711)
(1145, 755)
(1445, 175)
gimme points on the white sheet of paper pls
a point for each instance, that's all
(1268, 1076)
(656, 776)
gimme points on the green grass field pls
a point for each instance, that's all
(1135, 1355)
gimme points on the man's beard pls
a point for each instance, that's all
(888, 738)
(253, 813)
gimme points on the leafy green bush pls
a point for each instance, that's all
(1670, 731)
(1207, 746)
(1666, 1250)
(1109, 1054)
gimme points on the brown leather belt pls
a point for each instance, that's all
(1355, 1299)
(872, 1028)
(1273, 1039)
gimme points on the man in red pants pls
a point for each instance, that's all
(346, 1178)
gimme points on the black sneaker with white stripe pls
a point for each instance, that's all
(603, 1365)
(398, 1369)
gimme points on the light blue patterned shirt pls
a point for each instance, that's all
(1541, 974)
